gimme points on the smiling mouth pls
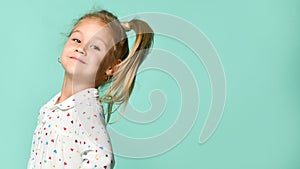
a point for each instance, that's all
(77, 59)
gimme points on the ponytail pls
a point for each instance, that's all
(122, 82)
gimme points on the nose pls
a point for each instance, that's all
(80, 50)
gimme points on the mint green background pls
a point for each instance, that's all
(258, 44)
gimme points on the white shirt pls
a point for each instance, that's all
(72, 134)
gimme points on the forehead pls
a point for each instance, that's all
(92, 28)
(90, 21)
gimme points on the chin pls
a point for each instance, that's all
(72, 69)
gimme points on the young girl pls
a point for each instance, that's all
(71, 131)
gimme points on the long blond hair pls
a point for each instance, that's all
(122, 82)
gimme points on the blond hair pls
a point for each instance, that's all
(122, 81)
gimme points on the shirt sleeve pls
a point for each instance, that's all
(95, 147)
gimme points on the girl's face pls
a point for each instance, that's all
(83, 56)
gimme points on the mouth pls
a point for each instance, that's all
(76, 58)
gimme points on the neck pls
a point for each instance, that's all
(71, 86)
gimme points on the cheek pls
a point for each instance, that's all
(67, 48)
(96, 57)
(95, 61)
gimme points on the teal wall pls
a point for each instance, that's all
(258, 45)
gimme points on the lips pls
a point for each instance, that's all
(76, 58)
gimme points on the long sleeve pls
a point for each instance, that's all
(95, 147)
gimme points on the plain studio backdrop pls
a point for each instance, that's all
(258, 45)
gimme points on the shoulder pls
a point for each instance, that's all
(92, 124)
(90, 107)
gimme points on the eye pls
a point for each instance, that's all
(76, 40)
(95, 47)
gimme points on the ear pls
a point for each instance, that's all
(112, 69)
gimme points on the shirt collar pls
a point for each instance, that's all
(71, 101)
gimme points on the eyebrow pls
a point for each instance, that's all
(97, 38)
(74, 31)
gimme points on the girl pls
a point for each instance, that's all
(71, 131)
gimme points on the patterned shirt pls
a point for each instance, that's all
(72, 134)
